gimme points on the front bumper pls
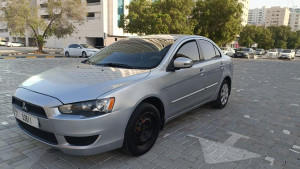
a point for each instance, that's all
(284, 57)
(73, 134)
(240, 55)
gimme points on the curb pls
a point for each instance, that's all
(31, 57)
(30, 53)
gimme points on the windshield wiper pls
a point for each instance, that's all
(115, 65)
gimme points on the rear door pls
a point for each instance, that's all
(77, 50)
(213, 68)
(71, 50)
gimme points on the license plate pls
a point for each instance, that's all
(33, 121)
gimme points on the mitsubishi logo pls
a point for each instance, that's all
(24, 108)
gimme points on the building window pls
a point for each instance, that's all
(90, 15)
(93, 2)
(120, 10)
(44, 5)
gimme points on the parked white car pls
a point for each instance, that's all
(272, 53)
(228, 51)
(81, 50)
(287, 54)
(298, 53)
(3, 42)
(14, 44)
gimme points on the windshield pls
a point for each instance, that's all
(273, 50)
(87, 46)
(258, 49)
(246, 50)
(286, 51)
(134, 53)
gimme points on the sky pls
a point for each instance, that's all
(269, 3)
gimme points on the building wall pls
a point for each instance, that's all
(277, 16)
(257, 16)
(245, 4)
(294, 21)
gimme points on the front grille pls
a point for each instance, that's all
(81, 141)
(30, 108)
(39, 134)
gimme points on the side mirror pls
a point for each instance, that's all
(182, 63)
(79, 47)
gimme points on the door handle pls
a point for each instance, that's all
(222, 66)
(201, 72)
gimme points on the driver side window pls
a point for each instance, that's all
(189, 50)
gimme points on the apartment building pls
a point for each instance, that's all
(101, 27)
(277, 16)
(294, 21)
(245, 5)
(257, 16)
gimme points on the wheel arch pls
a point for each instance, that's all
(229, 81)
(155, 101)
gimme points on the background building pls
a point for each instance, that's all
(276, 16)
(100, 29)
(257, 16)
(294, 21)
(245, 4)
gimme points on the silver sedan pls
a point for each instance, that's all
(124, 95)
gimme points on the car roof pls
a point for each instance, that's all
(166, 36)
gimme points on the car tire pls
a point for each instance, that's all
(223, 95)
(84, 55)
(142, 130)
(67, 54)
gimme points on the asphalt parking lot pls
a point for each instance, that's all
(259, 128)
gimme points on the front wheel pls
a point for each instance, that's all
(223, 95)
(142, 130)
(84, 55)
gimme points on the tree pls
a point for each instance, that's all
(158, 17)
(248, 35)
(218, 20)
(264, 38)
(59, 21)
(280, 35)
(253, 34)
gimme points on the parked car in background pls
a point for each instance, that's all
(272, 53)
(244, 53)
(297, 53)
(14, 44)
(80, 50)
(3, 42)
(260, 52)
(228, 51)
(123, 95)
(287, 54)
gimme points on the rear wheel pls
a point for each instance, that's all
(142, 130)
(223, 95)
(67, 54)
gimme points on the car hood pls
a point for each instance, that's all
(80, 82)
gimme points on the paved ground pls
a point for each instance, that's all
(260, 127)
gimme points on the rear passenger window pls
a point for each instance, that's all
(209, 50)
(189, 50)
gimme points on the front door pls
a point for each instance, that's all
(184, 87)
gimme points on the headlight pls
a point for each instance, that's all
(89, 108)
